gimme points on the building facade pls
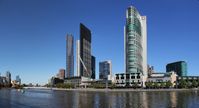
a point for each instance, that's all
(105, 69)
(135, 34)
(93, 67)
(69, 56)
(85, 51)
(128, 79)
(18, 79)
(61, 74)
(163, 77)
(8, 77)
(179, 67)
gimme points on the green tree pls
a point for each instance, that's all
(147, 84)
(182, 83)
(135, 85)
(156, 85)
(112, 86)
(169, 84)
(162, 84)
(189, 84)
(194, 84)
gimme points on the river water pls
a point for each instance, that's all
(34, 98)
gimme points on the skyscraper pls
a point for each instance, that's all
(85, 51)
(8, 77)
(105, 69)
(93, 67)
(180, 67)
(69, 56)
(18, 79)
(135, 34)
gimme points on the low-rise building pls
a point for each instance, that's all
(73, 80)
(163, 77)
(128, 80)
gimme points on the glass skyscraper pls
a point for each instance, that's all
(69, 56)
(85, 51)
(180, 67)
(105, 69)
(135, 35)
(93, 67)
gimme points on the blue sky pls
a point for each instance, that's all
(32, 33)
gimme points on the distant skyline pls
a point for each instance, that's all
(32, 34)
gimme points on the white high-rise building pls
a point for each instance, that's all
(135, 34)
(78, 57)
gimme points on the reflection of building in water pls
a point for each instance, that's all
(144, 99)
(75, 99)
(112, 101)
(173, 99)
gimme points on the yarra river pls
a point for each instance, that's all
(35, 98)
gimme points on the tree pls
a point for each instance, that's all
(194, 84)
(162, 84)
(169, 84)
(182, 84)
(147, 84)
(135, 85)
(112, 86)
(156, 85)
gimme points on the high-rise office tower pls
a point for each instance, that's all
(85, 51)
(135, 34)
(105, 69)
(69, 56)
(180, 67)
(93, 67)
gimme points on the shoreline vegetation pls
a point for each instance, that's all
(163, 86)
(123, 89)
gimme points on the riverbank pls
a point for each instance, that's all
(122, 90)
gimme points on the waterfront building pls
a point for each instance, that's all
(61, 74)
(55, 80)
(69, 56)
(93, 67)
(73, 80)
(188, 78)
(163, 77)
(128, 79)
(18, 79)
(85, 51)
(105, 69)
(150, 70)
(135, 40)
(8, 77)
(79, 81)
(180, 67)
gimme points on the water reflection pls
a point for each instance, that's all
(86, 99)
